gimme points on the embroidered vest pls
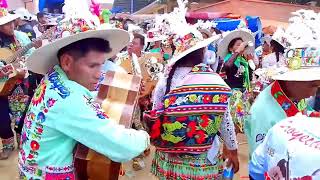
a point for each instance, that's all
(192, 113)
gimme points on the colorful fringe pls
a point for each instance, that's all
(8, 143)
(168, 166)
(239, 107)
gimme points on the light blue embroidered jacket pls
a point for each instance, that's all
(62, 113)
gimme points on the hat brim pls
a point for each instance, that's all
(303, 74)
(45, 57)
(245, 36)
(199, 45)
(155, 39)
(8, 18)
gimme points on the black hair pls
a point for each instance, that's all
(40, 15)
(277, 48)
(217, 31)
(140, 37)
(191, 59)
(283, 167)
(233, 42)
(80, 48)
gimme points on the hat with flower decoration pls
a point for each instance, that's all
(303, 64)
(77, 25)
(6, 17)
(303, 48)
(186, 38)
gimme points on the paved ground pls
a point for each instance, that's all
(8, 168)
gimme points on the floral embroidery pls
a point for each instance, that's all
(207, 99)
(34, 145)
(96, 107)
(204, 121)
(192, 127)
(39, 94)
(41, 117)
(51, 102)
(200, 137)
(286, 106)
(155, 132)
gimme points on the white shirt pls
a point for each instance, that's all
(210, 59)
(271, 61)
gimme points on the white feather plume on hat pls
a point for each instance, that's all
(79, 10)
(304, 29)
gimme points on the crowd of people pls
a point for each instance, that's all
(199, 88)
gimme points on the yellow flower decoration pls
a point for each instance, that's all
(195, 69)
(216, 99)
(166, 103)
(193, 97)
(295, 63)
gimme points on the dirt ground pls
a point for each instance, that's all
(8, 168)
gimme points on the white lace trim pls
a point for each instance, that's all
(228, 133)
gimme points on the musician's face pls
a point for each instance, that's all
(7, 29)
(85, 70)
(135, 46)
(42, 20)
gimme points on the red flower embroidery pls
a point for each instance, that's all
(223, 98)
(191, 129)
(30, 156)
(155, 130)
(166, 119)
(172, 100)
(207, 99)
(40, 130)
(205, 121)
(200, 137)
(34, 145)
(181, 119)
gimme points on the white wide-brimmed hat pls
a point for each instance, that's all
(245, 35)
(6, 17)
(24, 14)
(77, 26)
(45, 57)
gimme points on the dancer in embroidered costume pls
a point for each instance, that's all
(287, 95)
(190, 106)
(63, 111)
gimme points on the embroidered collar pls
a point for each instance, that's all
(287, 105)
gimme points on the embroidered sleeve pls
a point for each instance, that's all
(228, 132)
(159, 93)
(83, 120)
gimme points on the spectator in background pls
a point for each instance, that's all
(210, 54)
(23, 23)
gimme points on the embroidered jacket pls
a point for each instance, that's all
(62, 113)
(192, 113)
(270, 107)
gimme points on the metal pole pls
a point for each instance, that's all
(131, 7)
